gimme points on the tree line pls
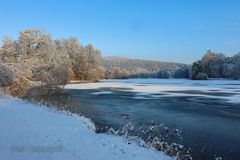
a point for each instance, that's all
(35, 59)
(216, 65)
(211, 65)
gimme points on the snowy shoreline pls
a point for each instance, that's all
(31, 132)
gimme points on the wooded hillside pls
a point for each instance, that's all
(121, 67)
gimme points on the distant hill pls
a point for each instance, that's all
(122, 67)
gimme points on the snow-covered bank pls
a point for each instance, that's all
(223, 89)
(30, 132)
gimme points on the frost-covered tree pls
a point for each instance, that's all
(216, 65)
(94, 62)
(236, 71)
(236, 58)
(182, 72)
(6, 75)
(77, 58)
(8, 51)
(213, 64)
(40, 57)
(37, 59)
(198, 71)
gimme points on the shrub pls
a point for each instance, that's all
(200, 76)
(6, 75)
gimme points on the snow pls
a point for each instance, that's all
(101, 92)
(31, 132)
(153, 86)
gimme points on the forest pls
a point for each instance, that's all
(36, 59)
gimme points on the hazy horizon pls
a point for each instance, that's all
(173, 31)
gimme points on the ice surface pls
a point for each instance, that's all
(209, 88)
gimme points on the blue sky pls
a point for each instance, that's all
(166, 30)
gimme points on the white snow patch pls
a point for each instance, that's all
(102, 92)
(30, 132)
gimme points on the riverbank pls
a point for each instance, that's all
(82, 81)
(30, 132)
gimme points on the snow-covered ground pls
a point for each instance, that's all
(171, 87)
(30, 132)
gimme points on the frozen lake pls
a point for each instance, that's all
(206, 113)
